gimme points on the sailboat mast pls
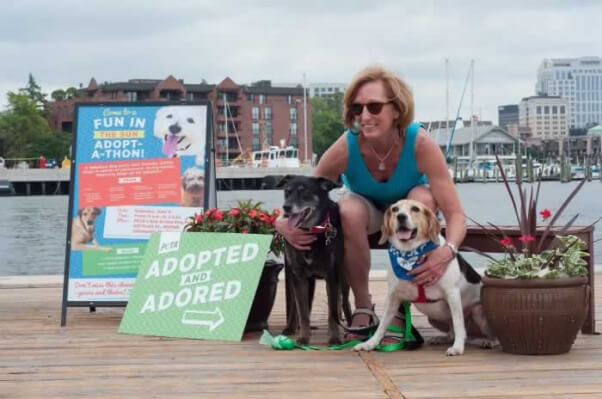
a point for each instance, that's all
(226, 126)
(472, 121)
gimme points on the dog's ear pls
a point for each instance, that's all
(79, 212)
(433, 225)
(327, 184)
(284, 180)
(386, 230)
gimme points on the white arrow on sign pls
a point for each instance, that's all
(211, 318)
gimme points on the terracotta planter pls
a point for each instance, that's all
(536, 317)
(264, 297)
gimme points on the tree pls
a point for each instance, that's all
(327, 121)
(21, 125)
(58, 95)
(71, 92)
(34, 92)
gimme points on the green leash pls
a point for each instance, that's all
(282, 342)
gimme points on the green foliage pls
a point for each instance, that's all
(58, 95)
(327, 121)
(566, 259)
(247, 218)
(22, 125)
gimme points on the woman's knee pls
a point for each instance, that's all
(354, 214)
(424, 195)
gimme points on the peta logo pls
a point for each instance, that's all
(169, 242)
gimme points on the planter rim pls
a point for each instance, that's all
(536, 282)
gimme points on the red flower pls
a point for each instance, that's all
(198, 218)
(252, 213)
(219, 215)
(506, 241)
(234, 212)
(545, 213)
(527, 238)
(264, 218)
(276, 212)
(245, 231)
(210, 211)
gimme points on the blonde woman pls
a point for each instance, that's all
(382, 157)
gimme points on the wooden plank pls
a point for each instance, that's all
(88, 358)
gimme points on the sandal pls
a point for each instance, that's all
(362, 332)
(407, 338)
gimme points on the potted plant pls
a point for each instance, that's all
(248, 218)
(536, 296)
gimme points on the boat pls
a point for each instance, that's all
(276, 157)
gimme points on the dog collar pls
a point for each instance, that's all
(403, 262)
(323, 227)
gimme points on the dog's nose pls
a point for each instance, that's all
(286, 208)
(402, 217)
(175, 128)
(89, 223)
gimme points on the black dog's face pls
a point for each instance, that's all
(305, 200)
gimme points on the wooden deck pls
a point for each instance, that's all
(89, 359)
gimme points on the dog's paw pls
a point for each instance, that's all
(453, 351)
(365, 346)
(440, 340)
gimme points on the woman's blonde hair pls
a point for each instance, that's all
(397, 91)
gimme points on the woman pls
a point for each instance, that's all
(383, 157)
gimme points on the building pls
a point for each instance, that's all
(257, 115)
(485, 141)
(577, 79)
(544, 116)
(507, 115)
(325, 89)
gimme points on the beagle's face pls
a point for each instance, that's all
(89, 215)
(408, 224)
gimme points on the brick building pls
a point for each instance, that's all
(258, 114)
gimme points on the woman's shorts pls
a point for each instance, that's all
(375, 215)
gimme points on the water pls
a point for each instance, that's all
(33, 229)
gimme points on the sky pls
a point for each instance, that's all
(67, 42)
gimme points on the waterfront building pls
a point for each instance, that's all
(484, 140)
(507, 115)
(256, 115)
(325, 89)
(544, 116)
(577, 79)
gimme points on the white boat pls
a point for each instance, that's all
(276, 157)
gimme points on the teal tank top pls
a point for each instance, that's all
(357, 177)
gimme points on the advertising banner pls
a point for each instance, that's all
(137, 168)
(196, 285)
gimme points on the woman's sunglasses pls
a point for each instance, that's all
(374, 108)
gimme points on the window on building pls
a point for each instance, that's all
(289, 99)
(261, 99)
(293, 114)
(131, 95)
(255, 144)
(554, 109)
(546, 110)
(255, 113)
(268, 113)
(293, 141)
(538, 110)
(293, 129)
(251, 97)
(255, 128)
(268, 128)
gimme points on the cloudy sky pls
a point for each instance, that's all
(66, 42)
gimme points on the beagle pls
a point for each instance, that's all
(453, 304)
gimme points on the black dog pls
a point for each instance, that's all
(307, 206)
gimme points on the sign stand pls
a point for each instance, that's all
(136, 168)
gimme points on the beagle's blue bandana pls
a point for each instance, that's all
(403, 262)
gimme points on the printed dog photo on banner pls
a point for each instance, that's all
(182, 131)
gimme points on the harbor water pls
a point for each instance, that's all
(33, 229)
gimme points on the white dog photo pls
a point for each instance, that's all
(182, 130)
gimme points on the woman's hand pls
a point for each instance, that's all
(300, 239)
(432, 267)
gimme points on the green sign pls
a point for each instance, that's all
(122, 258)
(196, 285)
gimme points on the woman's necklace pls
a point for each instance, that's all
(381, 164)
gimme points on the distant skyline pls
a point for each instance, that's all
(67, 42)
